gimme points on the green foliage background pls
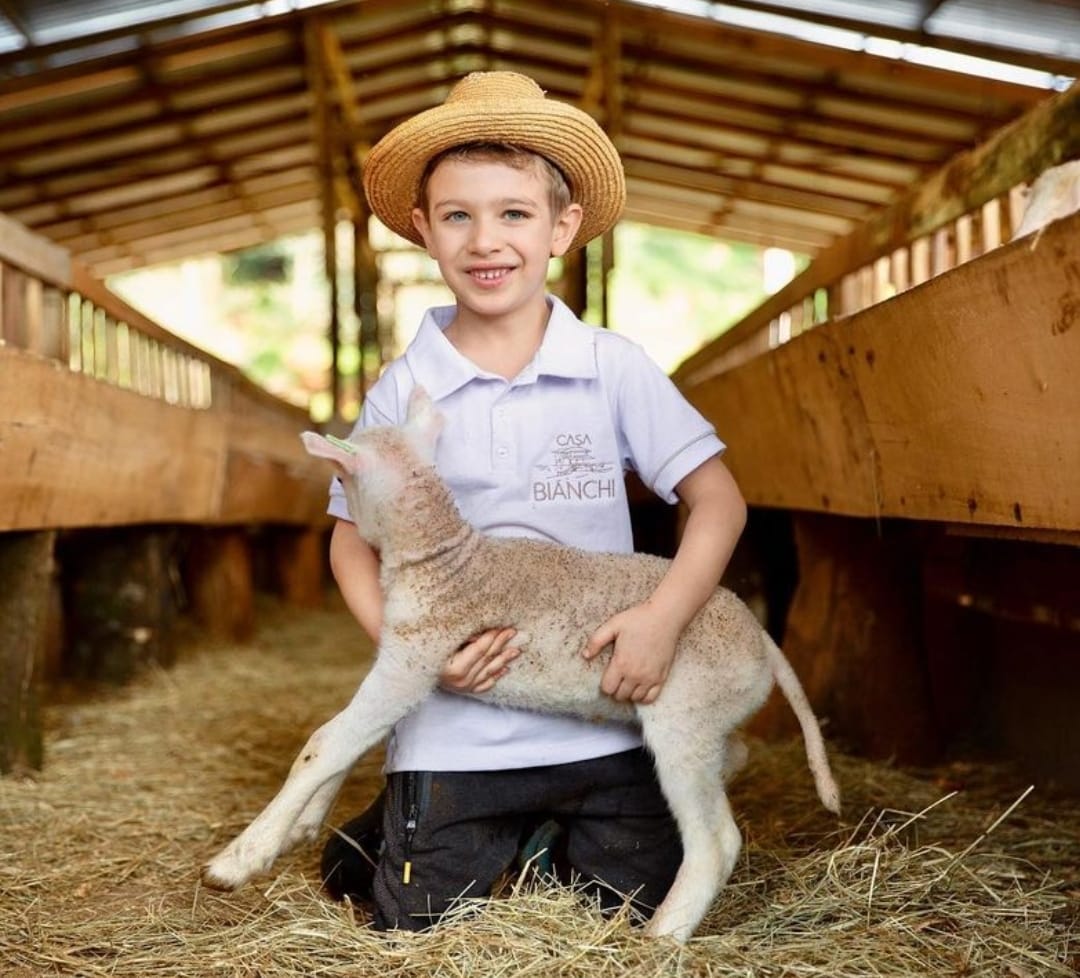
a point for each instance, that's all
(266, 309)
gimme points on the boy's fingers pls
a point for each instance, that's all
(602, 637)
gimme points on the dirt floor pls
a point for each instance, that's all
(99, 854)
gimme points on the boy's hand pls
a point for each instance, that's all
(641, 660)
(480, 662)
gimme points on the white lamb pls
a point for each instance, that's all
(444, 581)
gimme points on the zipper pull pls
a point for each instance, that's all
(410, 830)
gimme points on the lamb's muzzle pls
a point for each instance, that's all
(435, 598)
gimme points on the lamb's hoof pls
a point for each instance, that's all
(665, 924)
(227, 871)
(212, 881)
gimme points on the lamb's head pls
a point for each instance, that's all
(376, 463)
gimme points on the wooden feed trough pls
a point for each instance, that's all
(139, 472)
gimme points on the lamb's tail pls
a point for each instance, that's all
(792, 689)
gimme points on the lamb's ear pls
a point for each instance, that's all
(342, 453)
(423, 423)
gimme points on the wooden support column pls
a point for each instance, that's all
(26, 574)
(120, 601)
(317, 82)
(365, 298)
(613, 105)
(854, 637)
(299, 557)
(220, 577)
(602, 97)
(339, 129)
(574, 286)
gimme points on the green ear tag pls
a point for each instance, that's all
(345, 446)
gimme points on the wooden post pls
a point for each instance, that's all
(324, 154)
(299, 555)
(219, 573)
(854, 636)
(574, 285)
(120, 602)
(365, 300)
(26, 571)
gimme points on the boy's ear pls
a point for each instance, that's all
(346, 457)
(420, 222)
(423, 423)
(565, 229)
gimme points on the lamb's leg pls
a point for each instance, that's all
(384, 697)
(310, 820)
(692, 784)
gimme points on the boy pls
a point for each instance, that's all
(543, 416)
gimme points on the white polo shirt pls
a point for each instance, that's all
(541, 456)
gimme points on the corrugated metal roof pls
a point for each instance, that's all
(146, 143)
(1046, 29)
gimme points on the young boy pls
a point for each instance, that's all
(543, 416)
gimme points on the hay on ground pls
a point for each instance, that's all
(100, 854)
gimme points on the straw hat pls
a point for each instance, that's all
(498, 107)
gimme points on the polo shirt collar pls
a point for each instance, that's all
(567, 350)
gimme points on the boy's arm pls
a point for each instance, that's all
(646, 634)
(355, 567)
(474, 668)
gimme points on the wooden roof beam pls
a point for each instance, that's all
(150, 165)
(351, 146)
(765, 192)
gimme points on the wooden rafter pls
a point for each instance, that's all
(746, 125)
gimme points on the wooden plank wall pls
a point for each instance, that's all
(138, 475)
(956, 401)
(79, 453)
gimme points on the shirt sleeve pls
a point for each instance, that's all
(663, 437)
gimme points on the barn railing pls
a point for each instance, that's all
(52, 306)
(969, 207)
(139, 476)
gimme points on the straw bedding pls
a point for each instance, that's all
(99, 854)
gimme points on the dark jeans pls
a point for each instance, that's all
(459, 831)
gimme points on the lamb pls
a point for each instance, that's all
(443, 581)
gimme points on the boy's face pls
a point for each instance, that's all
(490, 228)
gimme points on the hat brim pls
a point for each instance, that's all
(568, 137)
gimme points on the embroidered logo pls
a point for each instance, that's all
(573, 472)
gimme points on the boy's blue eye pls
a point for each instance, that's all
(516, 215)
(455, 216)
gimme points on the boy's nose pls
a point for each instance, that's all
(484, 237)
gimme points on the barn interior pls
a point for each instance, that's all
(901, 416)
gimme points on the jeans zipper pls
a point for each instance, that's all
(411, 817)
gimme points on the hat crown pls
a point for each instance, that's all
(489, 85)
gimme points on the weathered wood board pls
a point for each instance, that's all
(77, 452)
(956, 401)
(26, 572)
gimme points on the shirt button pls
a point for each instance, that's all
(503, 451)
